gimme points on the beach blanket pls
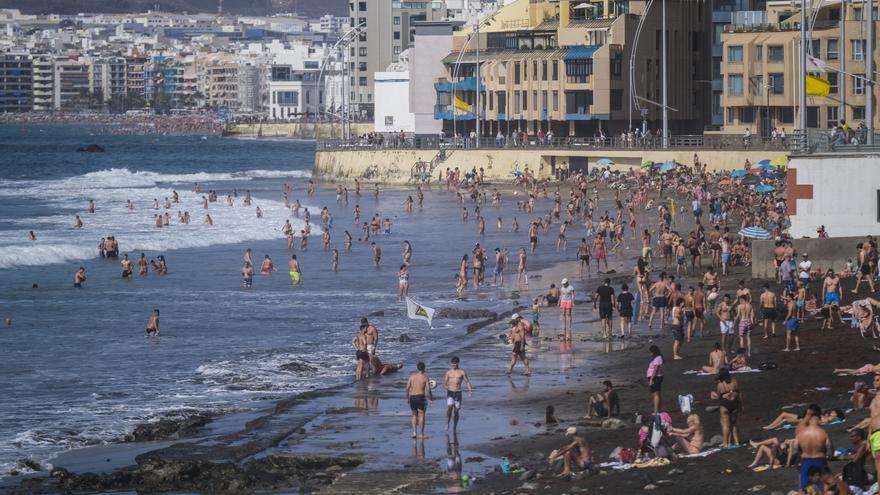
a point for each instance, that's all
(705, 453)
(703, 373)
(620, 466)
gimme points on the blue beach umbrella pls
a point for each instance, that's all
(739, 173)
(667, 166)
(762, 163)
(768, 175)
(756, 233)
(604, 161)
(763, 188)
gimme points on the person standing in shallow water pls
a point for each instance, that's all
(153, 324)
(418, 394)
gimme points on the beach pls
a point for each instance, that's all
(250, 390)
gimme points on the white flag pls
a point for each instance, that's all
(815, 64)
(416, 311)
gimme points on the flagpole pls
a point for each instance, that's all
(802, 97)
(869, 72)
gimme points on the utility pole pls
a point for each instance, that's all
(869, 72)
(841, 48)
(665, 83)
(802, 97)
(477, 33)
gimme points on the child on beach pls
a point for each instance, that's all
(536, 315)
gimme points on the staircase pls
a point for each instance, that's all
(423, 171)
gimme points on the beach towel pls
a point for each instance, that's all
(704, 453)
(703, 373)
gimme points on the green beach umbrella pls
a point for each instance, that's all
(647, 164)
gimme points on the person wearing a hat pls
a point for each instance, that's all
(804, 268)
(566, 303)
(576, 453)
(517, 337)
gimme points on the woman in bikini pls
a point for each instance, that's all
(728, 394)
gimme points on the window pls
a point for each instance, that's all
(397, 35)
(389, 121)
(858, 49)
(535, 70)
(832, 80)
(759, 53)
(775, 53)
(777, 84)
(785, 115)
(832, 49)
(746, 115)
(831, 113)
(516, 72)
(362, 81)
(616, 100)
(812, 117)
(735, 54)
(362, 51)
(858, 113)
(396, 20)
(491, 100)
(730, 115)
(362, 6)
(857, 13)
(858, 85)
(578, 71)
(759, 85)
(544, 70)
(516, 102)
(555, 70)
(544, 101)
(735, 84)
(525, 101)
(716, 68)
(396, 50)
(287, 98)
(815, 48)
(556, 101)
(616, 68)
(535, 101)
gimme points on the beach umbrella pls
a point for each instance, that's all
(763, 188)
(725, 182)
(762, 163)
(755, 233)
(647, 164)
(763, 166)
(604, 161)
(779, 161)
(516, 173)
(750, 180)
(739, 173)
(768, 175)
(667, 166)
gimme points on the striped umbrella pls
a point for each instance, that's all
(756, 232)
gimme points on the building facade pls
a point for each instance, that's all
(386, 29)
(43, 82)
(557, 66)
(762, 71)
(16, 82)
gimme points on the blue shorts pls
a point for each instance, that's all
(788, 285)
(499, 270)
(680, 260)
(832, 298)
(725, 257)
(806, 464)
(792, 325)
(536, 317)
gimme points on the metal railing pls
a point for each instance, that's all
(690, 142)
(826, 141)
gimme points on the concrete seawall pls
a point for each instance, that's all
(824, 253)
(297, 130)
(395, 165)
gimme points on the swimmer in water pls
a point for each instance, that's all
(294, 270)
(153, 324)
(267, 267)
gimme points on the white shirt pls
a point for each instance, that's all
(804, 267)
(566, 294)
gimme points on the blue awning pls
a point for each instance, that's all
(581, 52)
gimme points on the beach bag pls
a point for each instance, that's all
(684, 403)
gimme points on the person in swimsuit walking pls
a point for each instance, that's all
(729, 396)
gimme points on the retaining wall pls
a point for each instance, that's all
(824, 253)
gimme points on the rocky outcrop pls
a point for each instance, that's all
(268, 473)
(169, 428)
(297, 367)
(464, 314)
(92, 148)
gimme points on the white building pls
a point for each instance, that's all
(392, 111)
(838, 190)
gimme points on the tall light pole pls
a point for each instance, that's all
(665, 84)
(477, 127)
(802, 97)
(869, 72)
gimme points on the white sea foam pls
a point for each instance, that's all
(57, 240)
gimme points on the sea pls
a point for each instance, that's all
(76, 366)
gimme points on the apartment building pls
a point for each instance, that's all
(70, 85)
(43, 82)
(221, 84)
(761, 69)
(386, 29)
(107, 78)
(16, 82)
(554, 65)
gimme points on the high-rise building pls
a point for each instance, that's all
(16, 82)
(386, 29)
(71, 83)
(107, 79)
(44, 82)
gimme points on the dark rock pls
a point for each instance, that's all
(25, 463)
(465, 314)
(169, 429)
(92, 148)
(527, 475)
(405, 338)
(297, 367)
(376, 314)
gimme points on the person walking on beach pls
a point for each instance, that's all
(745, 316)
(153, 324)
(517, 337)
(566, 303)
(521, 273)
(625, 309)
(725, 322)
(655, 376)
(728, 394)
(452, 383)
(768, 309)
(418, 394)
(603, 298)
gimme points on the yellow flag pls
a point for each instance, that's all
(817, 86)
(462, 105)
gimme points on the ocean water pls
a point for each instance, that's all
(75, 366)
